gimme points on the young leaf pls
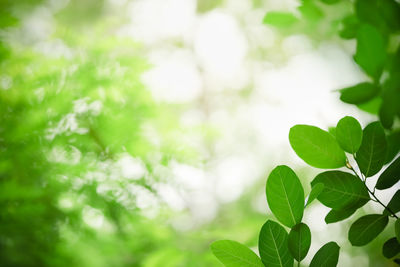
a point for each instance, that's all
(316, 147)
(391, 248)
(280, 19)
(339, 215)
(299, 241)
(371, 51)
(397, 229)
(349, 134)
(341, 190)
(390, 176)
(358, 94)
(372, 153)
(234, 254)
(315, 191)
(326, 256)
(366, 229)
(285, 195)
(394, 204)
(273, 245)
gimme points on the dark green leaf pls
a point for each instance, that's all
(339, 215)
(367, 228)
(397, 261)
(273, 245)
(390, 102)
(316, 147)
(349, 134)
(371, 51)
(391, 248)
(315, 191)
(326, 256)
(394, 204)
(280, 19)
(299, 241)
(372, 153)
(341, 190)
(368, 11)
(390, 176)
(359, 93)
(234, 254)
(397, 229)
(390, 11)
(285, 195)
(393, 146)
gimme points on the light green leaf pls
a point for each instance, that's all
(390, 176)
(316, 147)
(341, 190)
(234, 254)
(280, 19)
(326, 256)
(371, 51)
(299, 241)
(273, 245)
(366, 229)
(315, 191)
(285, 195)
(339, 215)
(372, 153)
(391, 248)
(394, 204)
(349, 134)
(359, 93)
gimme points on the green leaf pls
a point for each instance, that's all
(299, 241)
(367, 228)
(372, 153)
(349, 134)
(316, 147)
(315, 191)
(339, 215)
(273, 245)
(397, 229)
(390, 176)
(372, 106)
(393, 146)
(285, 195)
(394, 204)
(371, 51)
(391, 248)
(390, 11)
(349, 27)
(310, 11)
(280, 19)
(359, 93)
(330, 2)
(326, 256)
(341, 190)
(234, 254)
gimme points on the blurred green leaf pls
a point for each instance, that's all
(280, 19)
(391, 248)
(360, 93)
(299, 241)
(393, 141)
(234, 254)
(349, 27)
(327, 256)
(349, 134)
(397, 229)
(366, 229)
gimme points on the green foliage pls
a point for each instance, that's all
(299, 241)
(390, 176)
(394, 204)
(234, 254)
(372, 153)
(340, 215)
(316, 147)
(367, 228)
(349, 134)
(285, 195)
(273, 245)
(397, 229)
(280, 19)
(391, 248)
(315, 192)
(326, 256)
(359, 93)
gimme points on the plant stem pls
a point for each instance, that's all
(375, 198)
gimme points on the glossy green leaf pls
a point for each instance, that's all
(285, 195)
(315, 191)
(326, 256)
(367, 228)
(280, 19)
(341, 190)
(299, 241)
(390, 176)
(391, 248)
(273, 245)
(394, 204)
(371, 51)
(234, 254)
(349, 134)
(316, 147)
(372, 153)
(397, 229)
(339, 215)
(359, 93)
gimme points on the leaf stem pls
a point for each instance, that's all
(375, 198)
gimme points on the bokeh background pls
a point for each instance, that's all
(136, 132)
